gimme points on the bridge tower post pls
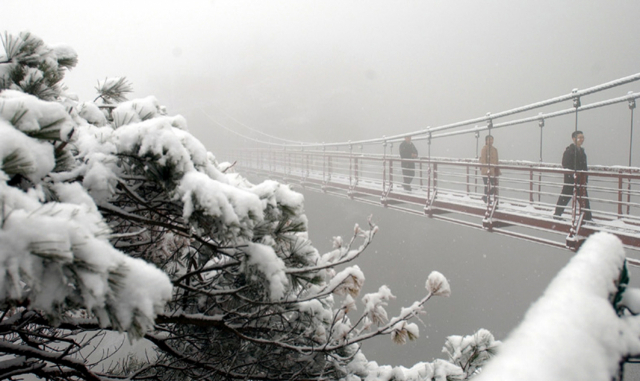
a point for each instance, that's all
(574, 240)
(357, 160)
(324, 168)
(475, 178)
(390, 188)
(351, 185)
(286, 164)
(541, 125)
(303, 174)
(431, 195)
(632, 106)
(385, 191)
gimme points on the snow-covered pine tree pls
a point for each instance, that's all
(31, 66)
(115, 218)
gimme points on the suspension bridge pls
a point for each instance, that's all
(452, 189)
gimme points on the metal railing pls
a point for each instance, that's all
(526, 193)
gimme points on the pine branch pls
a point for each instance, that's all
(111, 209)
(18, 163)
(22, 350)
(50, 131)
(113, 90)
(12, 46)
(347, 254)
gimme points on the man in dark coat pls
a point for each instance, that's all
(574, 158)
(408, 151)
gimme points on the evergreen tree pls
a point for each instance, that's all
(115, 218)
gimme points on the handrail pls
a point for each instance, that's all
(528, 191)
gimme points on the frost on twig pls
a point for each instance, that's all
(437, 284)
(115, 217)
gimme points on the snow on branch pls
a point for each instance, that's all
(106, 205)
(342, 253)
(113, 90)
(60, 252)
(32, 67)
(573, 331)
(265, 260)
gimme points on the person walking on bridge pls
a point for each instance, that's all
(408, 151)
(489, 156)
(575, 158)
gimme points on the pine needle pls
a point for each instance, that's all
(18, 163)
(51, 250)
(19, 114)
(12, 45)
(50, 131)
(113, 89)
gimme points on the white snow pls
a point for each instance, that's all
(437, 284)
(375, 303)
(239, 210)
(64, 51)
(348, 281)
(39, 241)
(265, 260)
(135, 111)
(32, 158)
(572, 332)
(92, 113)
(38, 114)
(437, 370)
(61, 251)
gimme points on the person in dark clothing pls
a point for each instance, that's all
(408, 151)
(574, 158)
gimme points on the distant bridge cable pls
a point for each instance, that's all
(628, 97)
(256, 130)
(428, 132)
(237, 133)
(574, 94)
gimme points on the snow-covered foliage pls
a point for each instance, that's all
(114, 217)
(56, 258)
(438, 285)
(29, 65)
(113, 90)
(54, 247)
(578, 329)
(471, 352)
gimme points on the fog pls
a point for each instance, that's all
(324, 71)
(493, 278)
(328, 70)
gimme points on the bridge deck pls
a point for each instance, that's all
(452, 191)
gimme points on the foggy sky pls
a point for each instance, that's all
(335, 70)
(323, 71)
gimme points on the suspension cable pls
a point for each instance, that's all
(241, 135)
(421, 134)
(256, 130)
(541, 116)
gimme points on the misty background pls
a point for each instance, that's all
(326, 71)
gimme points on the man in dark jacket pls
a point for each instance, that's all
(574, 158)
(408, 151)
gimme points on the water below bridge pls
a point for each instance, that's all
(494, 278)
